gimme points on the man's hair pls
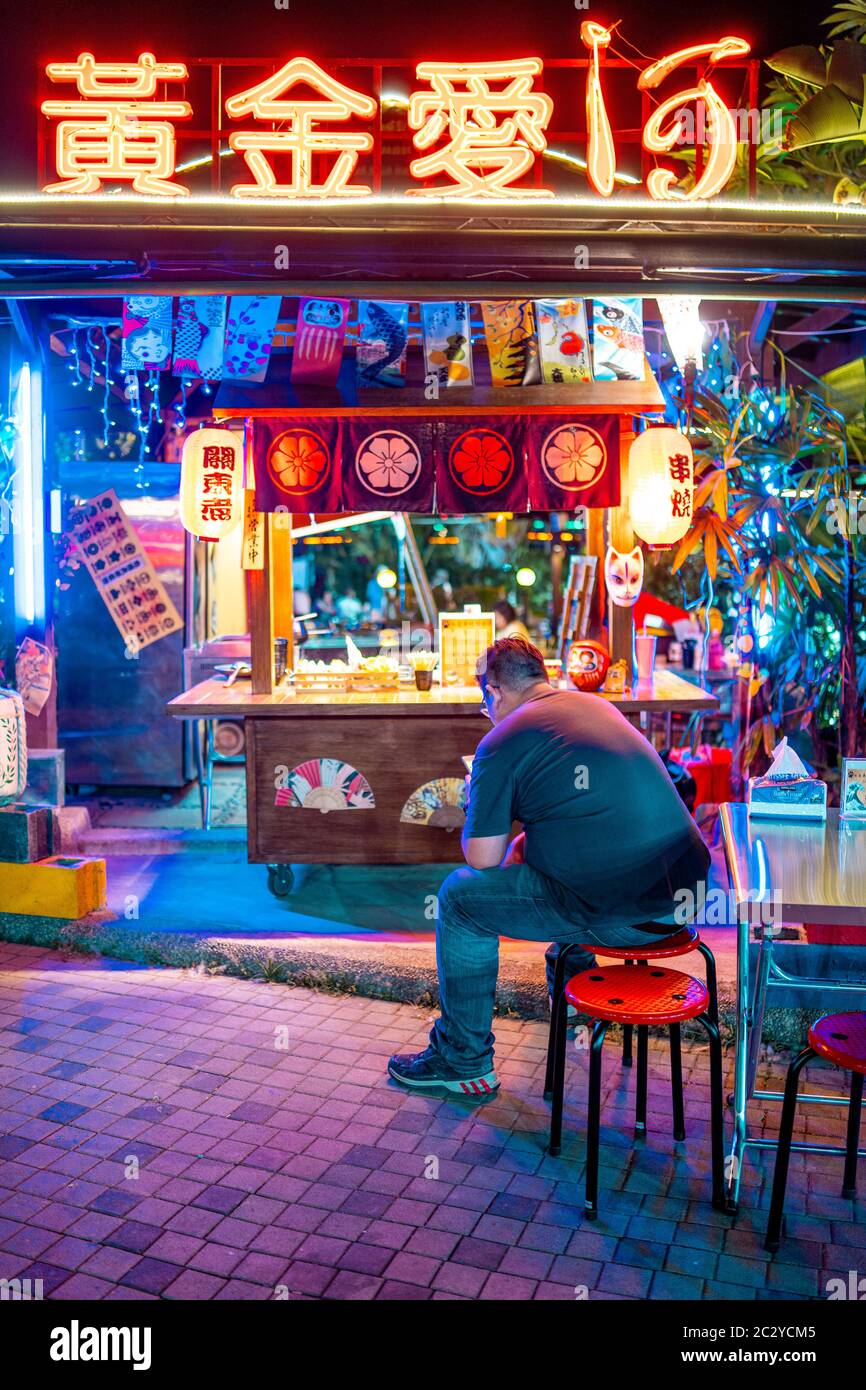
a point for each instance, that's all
(511, 662)
(507, 610)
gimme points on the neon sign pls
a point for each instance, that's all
(478, 127)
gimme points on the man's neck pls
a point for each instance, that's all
(532, 692)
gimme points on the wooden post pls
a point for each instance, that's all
(596, 545)
(280, 526)
(260, 593)
(621, 537)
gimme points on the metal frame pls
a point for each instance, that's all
(750, 1019)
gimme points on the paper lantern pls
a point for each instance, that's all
(661, 471)
(211, 483)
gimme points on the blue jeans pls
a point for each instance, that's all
(476, 907)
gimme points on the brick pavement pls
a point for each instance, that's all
(166, 1134)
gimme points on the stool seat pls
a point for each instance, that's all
(680, 944)
(841, 1038)
(641, 994)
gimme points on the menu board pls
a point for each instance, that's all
(139, 605)
(463, 638)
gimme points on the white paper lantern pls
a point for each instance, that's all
(13, 747)
(211, 483)
(661, 481)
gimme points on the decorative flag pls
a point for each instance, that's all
(388, 466)
(479, 464)
(572, 463)
(297, 464)
(319, 341)
(211, 483)
(563, 341)
(617, 339)
(199, 337)
(34, 674)
(249, 333)
(146, 333)
(119, 567)
(383, 332)
(509, 328)
(447, 343)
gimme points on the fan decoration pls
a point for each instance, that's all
(326, 784)
(440, 803)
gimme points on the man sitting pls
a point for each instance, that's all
(606, 845)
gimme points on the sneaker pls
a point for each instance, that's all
(570, 1010)
(424, 1071)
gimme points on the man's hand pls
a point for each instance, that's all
(516, 851)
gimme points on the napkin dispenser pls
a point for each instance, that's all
(787, 790)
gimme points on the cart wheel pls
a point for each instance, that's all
(280, 880)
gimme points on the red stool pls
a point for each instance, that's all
(640, 995)
(680, 944)
(841, 1038)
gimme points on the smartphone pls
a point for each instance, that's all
(468, 761)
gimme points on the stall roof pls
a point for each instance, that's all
(110, 245)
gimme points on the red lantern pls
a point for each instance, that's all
(587, 664)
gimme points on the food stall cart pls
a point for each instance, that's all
(393, 754)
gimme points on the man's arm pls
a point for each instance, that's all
(484, 851)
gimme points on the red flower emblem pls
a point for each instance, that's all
(388, 463)
(481, 461)
(298, 461)
(573, 457)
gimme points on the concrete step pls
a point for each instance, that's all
(150, 840)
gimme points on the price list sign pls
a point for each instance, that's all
(136, 599)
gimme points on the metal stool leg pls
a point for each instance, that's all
(558, 988)
(627, 1031)
(712, 982)
(717, 1110)
(210, 758)
(561, 1026)
(677, 1083)
(593, 1119)
(640, 1096)
(849, 1181)
(786, 1130)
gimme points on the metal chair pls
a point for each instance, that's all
(841, 1039)
(642, 996)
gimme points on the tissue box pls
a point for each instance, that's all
(801, 798)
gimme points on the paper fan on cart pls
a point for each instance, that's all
(326, 784)
(441, 803)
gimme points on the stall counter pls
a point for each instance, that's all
(395, 757)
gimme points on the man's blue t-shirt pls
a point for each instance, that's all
(603, 820)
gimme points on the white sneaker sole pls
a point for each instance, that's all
(470, 1086)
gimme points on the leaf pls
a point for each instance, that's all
(803, 63)
(826, 118)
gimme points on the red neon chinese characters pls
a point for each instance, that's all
(301, 141)
(600, 153)
(118, 131)
(721, 129)
(491, 136)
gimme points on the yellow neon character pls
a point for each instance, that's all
(493, 136)
(268, 102)
(118, 131)
(600, 153)
(721, 129)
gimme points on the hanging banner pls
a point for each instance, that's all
(199, 338)
(319, 341)
(563, 341)
(298, 465)
(479, 465)
(617, 339)
(249, 333)
(34, 674)
(383, 332)
(447, 344)
(139, 605)
(572, 463)
(388, 466)
(509, 329)
(146, 333)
